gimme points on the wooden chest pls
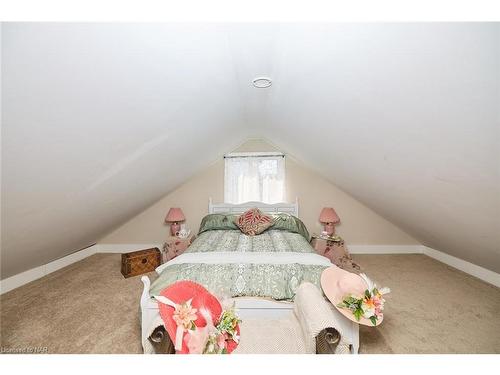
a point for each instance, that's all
(139, 262)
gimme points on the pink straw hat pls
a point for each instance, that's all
(198, 298)
(338, 284)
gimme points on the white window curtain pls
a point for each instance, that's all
(254, 177)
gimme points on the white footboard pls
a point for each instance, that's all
(145, 292)
(149, 312)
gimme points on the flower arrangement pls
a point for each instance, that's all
(370, 305)
(185, 315)
(225, 335)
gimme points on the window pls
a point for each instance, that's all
(253, 176)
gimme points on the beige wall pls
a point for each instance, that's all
(359, 225)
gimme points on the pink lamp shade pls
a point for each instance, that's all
(329, 217)
(175, 215)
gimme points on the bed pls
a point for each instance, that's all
(261, 273)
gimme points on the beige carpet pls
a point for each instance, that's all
(89, 307)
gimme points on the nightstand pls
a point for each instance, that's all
(175, 246)
(335, 250)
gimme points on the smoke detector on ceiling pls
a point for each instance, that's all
(262, 82)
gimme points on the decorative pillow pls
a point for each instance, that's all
(253, 222)
(218, 221)
(289, 223)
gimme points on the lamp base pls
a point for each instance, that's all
(175, 228)
(330, 229)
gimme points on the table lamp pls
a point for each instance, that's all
(329, 218)
(174, 216)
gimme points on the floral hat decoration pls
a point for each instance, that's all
(355, 296)
(196, 321)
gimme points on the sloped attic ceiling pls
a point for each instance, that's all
(101, 120)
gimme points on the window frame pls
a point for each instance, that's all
(260, 154)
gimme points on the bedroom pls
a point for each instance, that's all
(281, 167)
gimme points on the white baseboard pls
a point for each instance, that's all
(484, 274)
(16, 281)
(385, 249)
(22, 278)
(124, 248)
(354, 249)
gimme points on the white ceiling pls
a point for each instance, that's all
(101, 120)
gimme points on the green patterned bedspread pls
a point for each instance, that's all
(277, 281)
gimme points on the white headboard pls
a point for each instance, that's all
(290, 208)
